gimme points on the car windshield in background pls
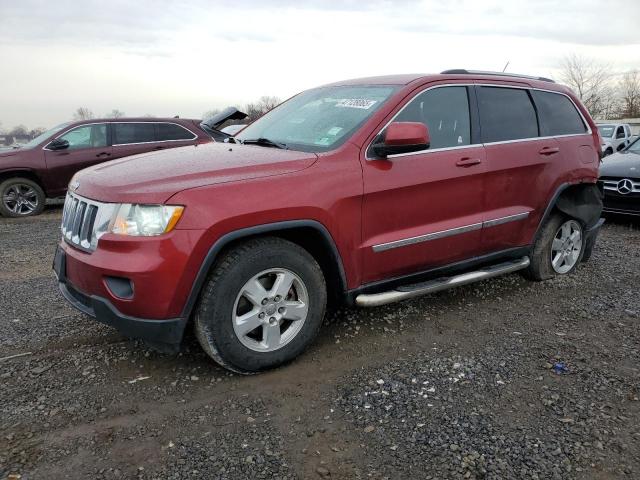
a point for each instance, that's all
(606, 131)
(43, 136)
(318, 120)
(634, 147)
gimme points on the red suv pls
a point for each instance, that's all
(366, 191)
(43, 167)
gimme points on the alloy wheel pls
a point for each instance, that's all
(20, 199)
(566, 246)
(270, 310)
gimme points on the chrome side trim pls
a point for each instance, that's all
(437, 285)
(450, 232)
(509, 218)
(425, 238)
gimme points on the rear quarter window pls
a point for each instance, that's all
(506, 114)
(558, 114)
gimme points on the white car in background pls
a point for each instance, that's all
(233, 129)
(615, 137)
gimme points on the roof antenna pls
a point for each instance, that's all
(505, 67)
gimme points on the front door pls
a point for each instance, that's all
(424, 209)
(88, 145)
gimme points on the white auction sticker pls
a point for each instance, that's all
(356, 103)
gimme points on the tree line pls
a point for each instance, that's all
(605, 94)
(254, 110)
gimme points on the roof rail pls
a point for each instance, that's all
(462, 71)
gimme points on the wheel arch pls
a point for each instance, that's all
(28, 174)
(582, 201)
(309, 234)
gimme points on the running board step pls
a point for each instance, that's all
(410, 291)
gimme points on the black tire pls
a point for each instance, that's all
(8, 208)
(540, 267)
(213, 320)
(608, 152)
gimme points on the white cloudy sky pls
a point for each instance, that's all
(186, 57)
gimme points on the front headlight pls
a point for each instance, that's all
(145, 220)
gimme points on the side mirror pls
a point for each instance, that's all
(402, 137)
(58, 144)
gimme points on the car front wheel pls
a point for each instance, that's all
(21, 197)
(262, 305)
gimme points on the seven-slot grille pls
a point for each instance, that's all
(78, 220)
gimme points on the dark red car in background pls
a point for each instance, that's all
(43, 167)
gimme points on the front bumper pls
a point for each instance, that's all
(163, 334)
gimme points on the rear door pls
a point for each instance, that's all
(88, 145)
(518, 174)
(131, 138)
(424, 209)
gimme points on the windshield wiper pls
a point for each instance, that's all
(265, 141)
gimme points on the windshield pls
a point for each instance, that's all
(634, 147)
(43, 136)
(606, 130)
(318, 120)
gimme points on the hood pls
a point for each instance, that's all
(154, 177)
(623, 165)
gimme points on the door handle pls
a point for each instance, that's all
(468, 162)
(103, 154)
(549, 151)
(159, 148)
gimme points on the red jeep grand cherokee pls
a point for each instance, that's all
(368, 191)
(43, 167)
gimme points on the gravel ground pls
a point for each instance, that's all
(462, 384)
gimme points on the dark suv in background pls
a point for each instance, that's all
(44, 166)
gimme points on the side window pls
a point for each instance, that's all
(620, 132)
(172, 131)
(133, 133)
(445, 112)
(86, 136)
(558, 114)
(506, 114)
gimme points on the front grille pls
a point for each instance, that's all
(611, 184)
(84, 221)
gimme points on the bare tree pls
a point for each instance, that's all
(19, 131)
(590, 80)
(36, 131)
(262, 106)
(82, 113)
(629, 88)
(115, 113)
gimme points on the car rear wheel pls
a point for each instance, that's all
(558, 249)
(21, 197)
(262, 305)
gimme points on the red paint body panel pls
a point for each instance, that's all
(361, 202)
